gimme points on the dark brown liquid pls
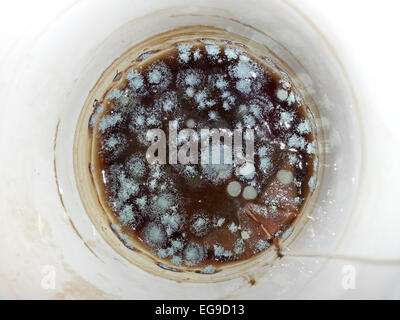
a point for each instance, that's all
(184, 213)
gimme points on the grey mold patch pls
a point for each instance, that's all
(193, 254)
(210, 269)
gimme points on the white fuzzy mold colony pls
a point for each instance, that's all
(159, 77)
(192, 214)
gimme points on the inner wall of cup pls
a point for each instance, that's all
(297, 44)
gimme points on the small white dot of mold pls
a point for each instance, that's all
(192, 79)
(213, 50)
(230, 53)
(292, 159)
(190, 92)
(184, 52)
(291, 98)
(197, 55)
(284, 176)
(221, 84)
(209, 270)
(154, 76)
(244, 58)
(190, 123)
(285, 84)
(265, 163)
(233, 227)
(213, 115)
(304, 127)
(245, 235)
(234, 188)
(124, 100)
(281, 94)
(286, 117)
(249, 193)
(244, 85)
(114, 94)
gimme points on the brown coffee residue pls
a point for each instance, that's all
(198, 215)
